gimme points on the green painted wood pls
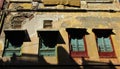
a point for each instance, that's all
(104, 44)
(46, 51)
(81, 45)
(74, 44)
(108, 44)
(10, 50)
(77, 44)
(101, 44)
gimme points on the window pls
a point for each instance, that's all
(46, 50)
(77, 42)
(13, 41)
(104, 42)
(47, 24)
(47, 42)
(11, 49)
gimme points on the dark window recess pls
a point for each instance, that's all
(77, 42)
(104, 42)
(47, 24)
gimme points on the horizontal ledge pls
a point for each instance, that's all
(48, 30)
(15, 29)
(62, 10)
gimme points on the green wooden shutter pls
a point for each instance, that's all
(101, 44)
(74, 44)
(43, 46)
(46, 51)
(12, 49)
(81, 45)
(108, 44)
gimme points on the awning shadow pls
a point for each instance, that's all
(88, 64)
(65, 61)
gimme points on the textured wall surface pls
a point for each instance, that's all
(61, 21)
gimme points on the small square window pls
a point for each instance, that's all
(47, 24)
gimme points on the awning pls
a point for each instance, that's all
(103, 31)
(51, 36)
(76, 31)
(17, 36)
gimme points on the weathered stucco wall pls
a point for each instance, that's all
(63, 20)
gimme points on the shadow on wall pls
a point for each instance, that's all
(87, 64)
(65, 61)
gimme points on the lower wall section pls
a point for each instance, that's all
(62, 58)
(33, 61)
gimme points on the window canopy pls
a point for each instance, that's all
(105, 32)
(51, 36)
(77, 31)
(17, 37)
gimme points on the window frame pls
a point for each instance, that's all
(47, 24)
(78, 53)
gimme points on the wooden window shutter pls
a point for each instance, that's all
(81, 45)
(101, 44)
(108, 44)
(74, 44)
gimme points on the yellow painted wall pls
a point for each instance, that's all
(70, 20)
